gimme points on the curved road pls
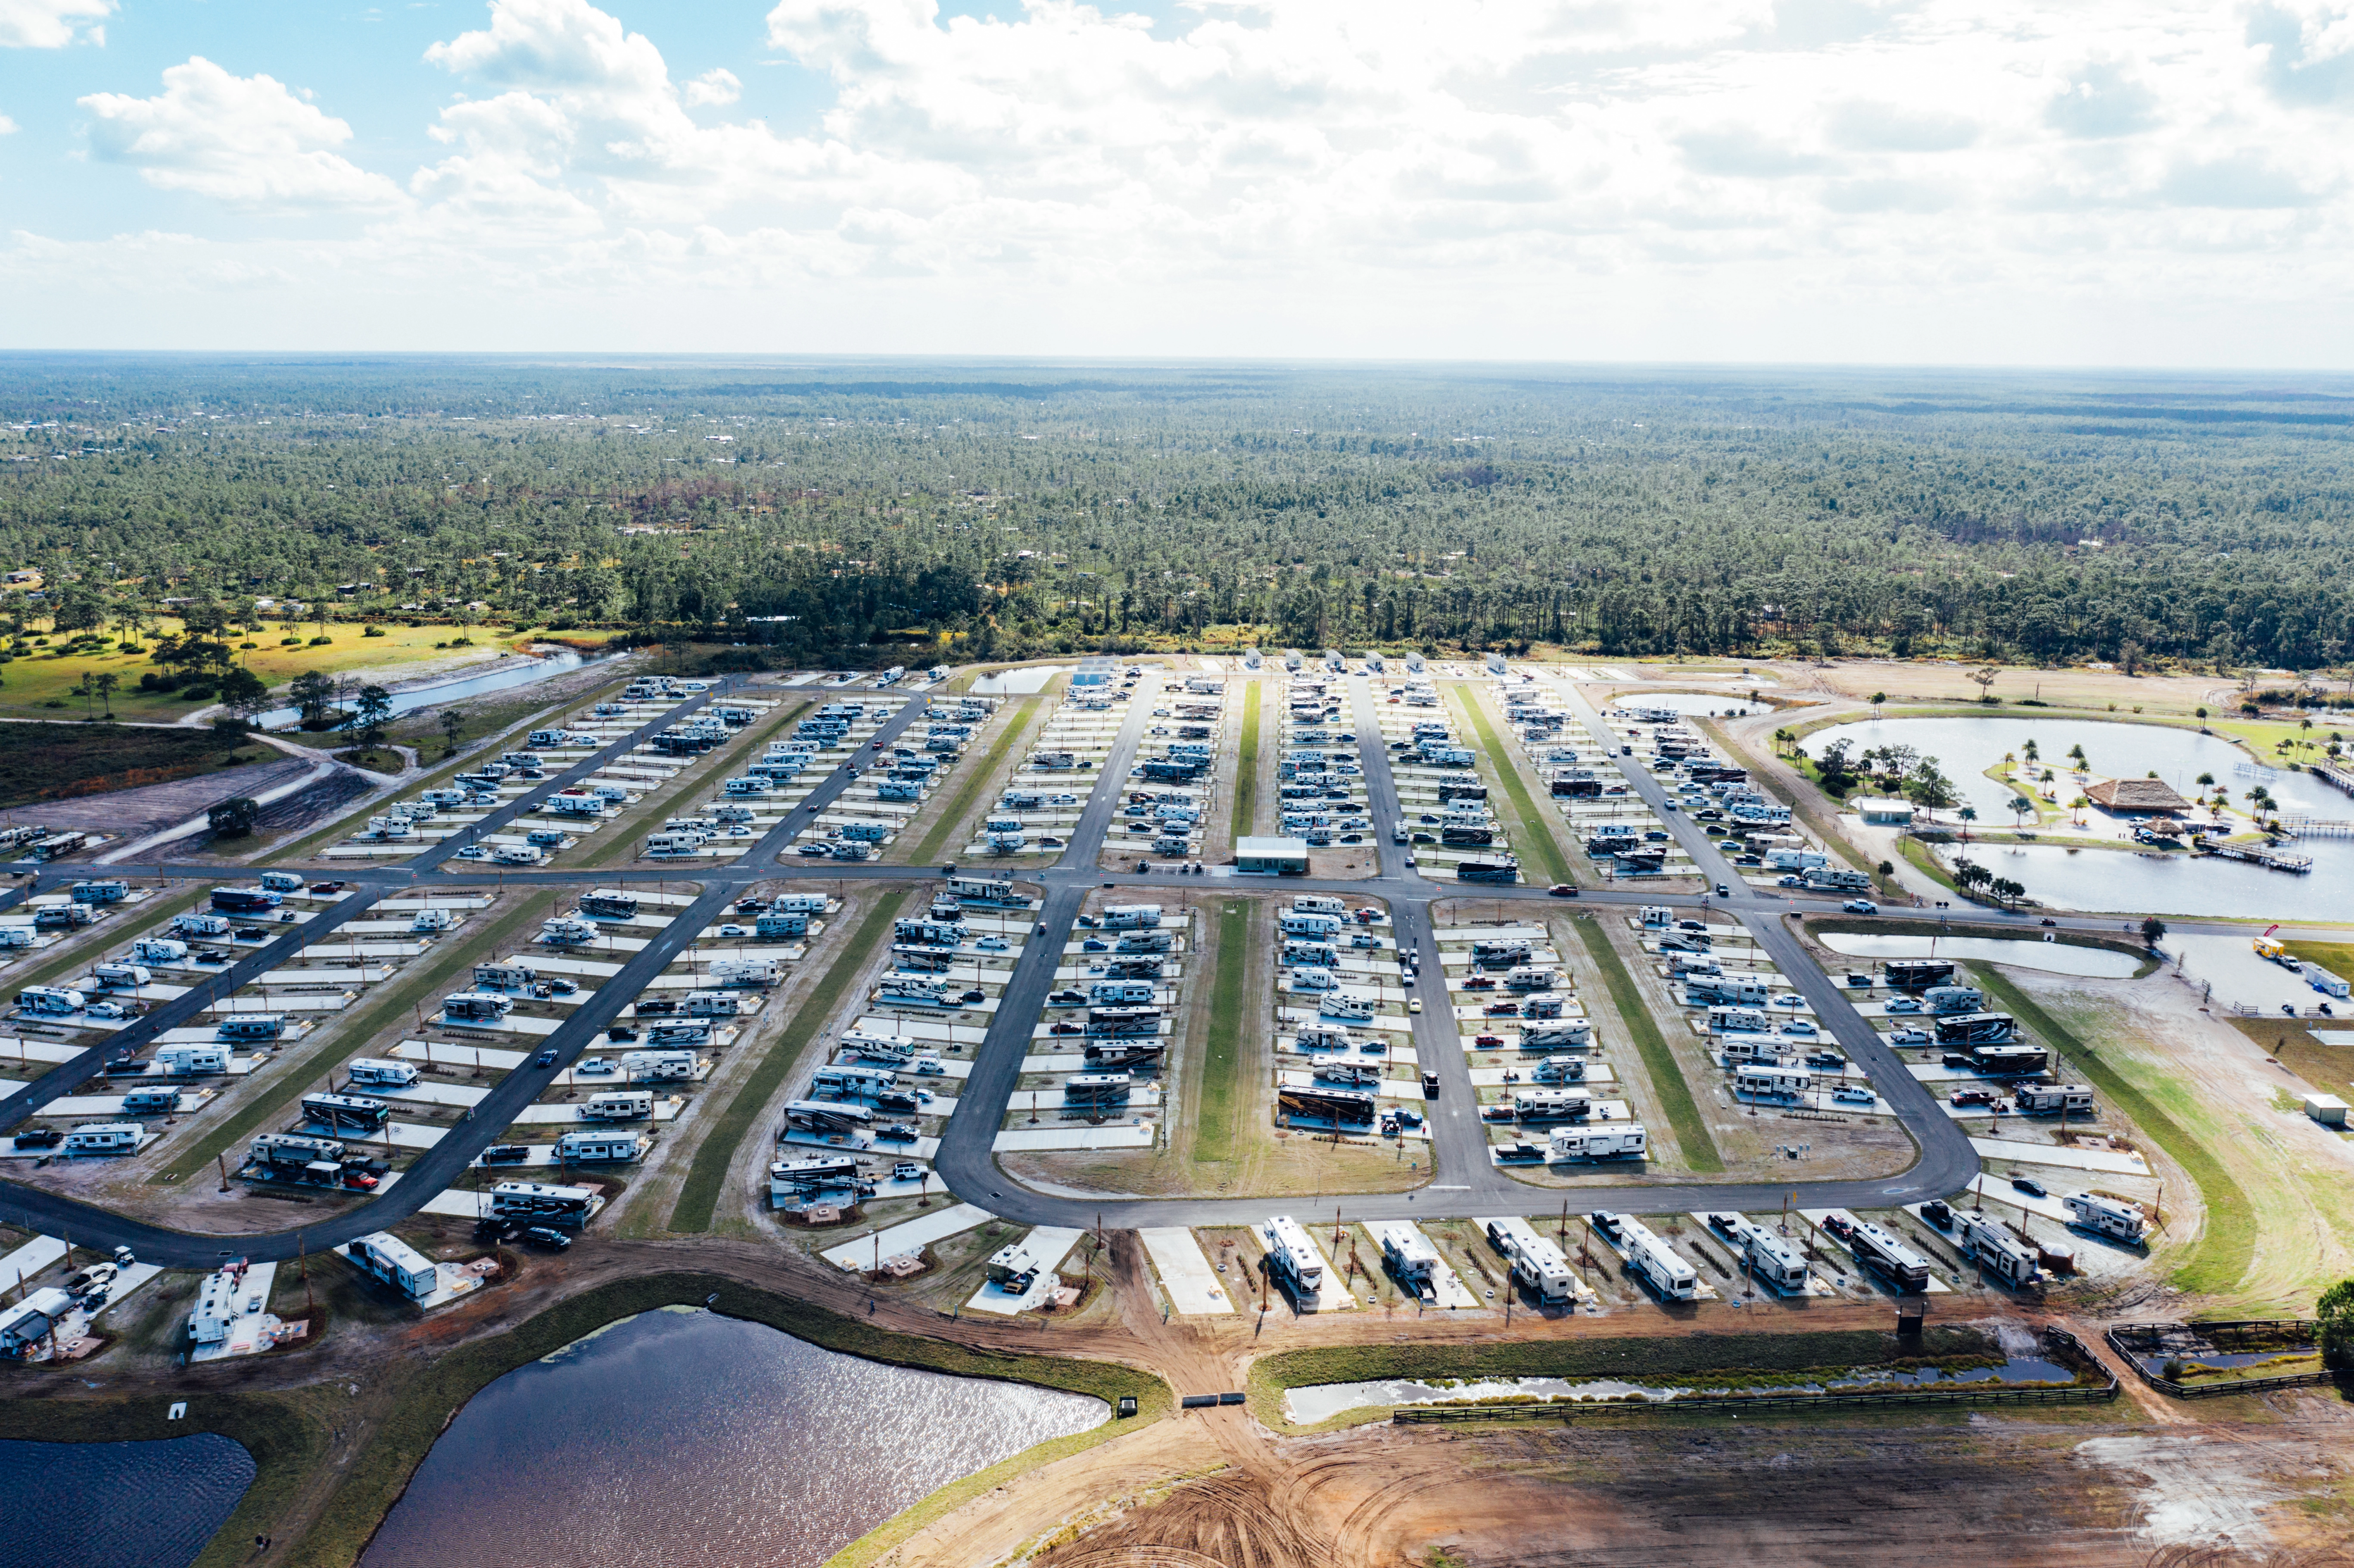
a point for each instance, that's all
(1470, 1182)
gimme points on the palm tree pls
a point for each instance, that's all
(2020, 807)
(1969, 814)
(2078, 807)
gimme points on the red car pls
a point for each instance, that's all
(1480, 982)
(1487, 1042)
(1562, 890)
(1503, 1010)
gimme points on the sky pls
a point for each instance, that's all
(2130, 183)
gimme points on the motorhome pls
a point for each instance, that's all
(1785, 1084)
(1552, 1105)
(159, 950)
(542, 1204)
(53, 999)
(345, 1113)
(378, 1072)
(504, 976)
(566, 933)
(1703, 991)
(1562, 1034)
(610, 906)
(1559, 1070)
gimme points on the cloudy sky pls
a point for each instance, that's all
(2111, 182)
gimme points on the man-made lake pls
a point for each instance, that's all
(551, 663)
(2099, 880)
(2057, 957)
(686, 1438)
(1020, 682)
(117, 1505)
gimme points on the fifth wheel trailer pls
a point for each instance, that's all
(1996, 1250)
(2105, 1216)
(1536, 1263)
(1770, 1257)
(1291, 1256)
(1655, 1261)
(1877, 1249)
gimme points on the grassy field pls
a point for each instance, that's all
(1246, 764)
(1222, 1050)
(1684, 1361)
(294, 1075)
(1536, 834)
(698, 1197)
(31, 682)
(60, 761)
(1667, 1079)
(2227, 1244)
(443, 1382)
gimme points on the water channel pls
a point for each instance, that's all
(2100, 880)
(117, 1505)
(549, 661)
(683, 1438)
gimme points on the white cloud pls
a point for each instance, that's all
(243, 139)
(1509, 176)
(51, 24)
(714, 87)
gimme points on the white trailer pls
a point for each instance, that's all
(189, 1061)
(104, 1138)
(1770, 1083)
(1559, 1070)
(1412, 1261)
(649, 1067)
(2105, 1216)
(1552, 1105)
(431, 922)
(1615, 1140)
(582, 1147)
(1769, 1256)
(1318, 904)
(251, 1026)
(538, 1202)
(563, 932)
(2052, 1099)
(743, 971)
(1314, 954)
(1655, 1262)
(1536, 1263)
(1531, 978)
(1879, 1249)
(159, 950)
(619, 1104)
(386, 1257)
(504, 976)
(1702, 991)
(1131, 916)
(1996, 1250)
(132, 976)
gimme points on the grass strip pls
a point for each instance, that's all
(1667, 1077)
(1247, 765)
(2227, 1247)
(1222, 1053)
(938, 835)
(698, 779)
(1698, 1361)
(698, 1195)
(1535, 831)
(376, 1477)
(287, 1444)
(297, 1075)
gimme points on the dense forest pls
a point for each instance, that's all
(885, 510)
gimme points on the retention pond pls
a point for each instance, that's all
(683, 1438)
(117, 1505)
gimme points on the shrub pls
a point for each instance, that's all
(323, 642)
(371, 631)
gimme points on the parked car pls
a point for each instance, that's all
(544, 1235)
(1908, 1037)
(2028, 1185)
(39, 1138)
(545, 1059)
(1413, 1004)
(1430, 1086)
(1798, 1026)
(507, 1154)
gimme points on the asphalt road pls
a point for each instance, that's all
(1467, 1181)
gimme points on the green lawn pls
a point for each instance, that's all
(1667, 1077)
(698, 1196)
(1247, 765)
(2227, 1246)
(1222, 1055)
(1536, 834)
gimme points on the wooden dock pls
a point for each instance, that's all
(2256, 854)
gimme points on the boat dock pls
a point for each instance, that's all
(2256, 854)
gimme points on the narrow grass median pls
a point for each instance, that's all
(1667, 1077)
(2227, 1247)
(1535, 834)
(1222, 1053)
(622, 844)
(1247, 765)
(698, 1196)
(349, 1031)
(938, 835)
